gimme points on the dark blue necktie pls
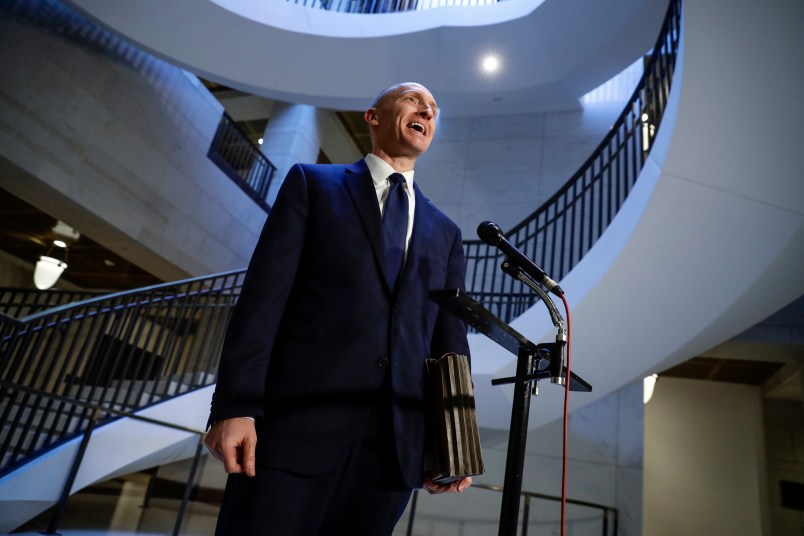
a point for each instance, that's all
(395, 226)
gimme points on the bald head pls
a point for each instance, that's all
(390, 92)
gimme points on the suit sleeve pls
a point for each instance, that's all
(449, 334)
(252, 329)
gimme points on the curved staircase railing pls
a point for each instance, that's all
(368, 7)
(560, 232)
(124, 351)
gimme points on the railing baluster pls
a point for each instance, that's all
(53, 526)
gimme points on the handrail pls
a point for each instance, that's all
(18, 302)
(607, 511)
(368, 7)
(130, 293)
(558, 234)
(242, 161)
(124, 351)
(100, 413)
(100, 408)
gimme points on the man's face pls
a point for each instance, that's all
(403, 122)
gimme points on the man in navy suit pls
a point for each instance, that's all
(318, 411)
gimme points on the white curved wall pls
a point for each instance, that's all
(551, 55)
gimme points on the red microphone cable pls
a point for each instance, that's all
(566, 415)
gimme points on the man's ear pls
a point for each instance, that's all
(371, 117)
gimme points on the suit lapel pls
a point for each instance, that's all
(360, 186)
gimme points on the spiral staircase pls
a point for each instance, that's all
(701, 241)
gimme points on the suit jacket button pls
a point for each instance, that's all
(382, 362)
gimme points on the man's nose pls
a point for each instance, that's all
(426, 112)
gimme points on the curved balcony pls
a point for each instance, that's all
(550, 56)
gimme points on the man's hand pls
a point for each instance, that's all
(453, 487)
(233, 442)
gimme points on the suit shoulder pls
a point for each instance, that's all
(322, 169)
(437, 214)
(322, 175)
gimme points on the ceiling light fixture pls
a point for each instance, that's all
(47, 272)
(490, 64)
(49, 268)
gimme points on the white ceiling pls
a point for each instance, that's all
(552, 52)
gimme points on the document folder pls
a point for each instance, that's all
(454, 450)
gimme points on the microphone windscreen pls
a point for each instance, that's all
(490, 233)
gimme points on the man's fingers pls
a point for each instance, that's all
(464, 483)
(249, 454)
(230, 462)
(453, 487)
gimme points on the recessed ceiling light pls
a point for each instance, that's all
(490, 63)
(59, 243)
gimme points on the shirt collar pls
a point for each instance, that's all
(380, 170)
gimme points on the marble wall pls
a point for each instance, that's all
(503, 167)
(114, 143)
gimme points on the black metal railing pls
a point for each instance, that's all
(560, 232)
(242, 161)
(367, 7)
(19, 302)
(95, 414)
(124, 351)
(608, 516)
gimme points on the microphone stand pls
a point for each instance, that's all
(528, 372)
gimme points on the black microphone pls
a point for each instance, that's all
(491, 234)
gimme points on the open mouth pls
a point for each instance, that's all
(418, 127)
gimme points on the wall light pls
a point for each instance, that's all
(648, 384)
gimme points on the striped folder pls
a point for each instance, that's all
(454, 450)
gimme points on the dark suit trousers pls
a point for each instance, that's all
(365, 496)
